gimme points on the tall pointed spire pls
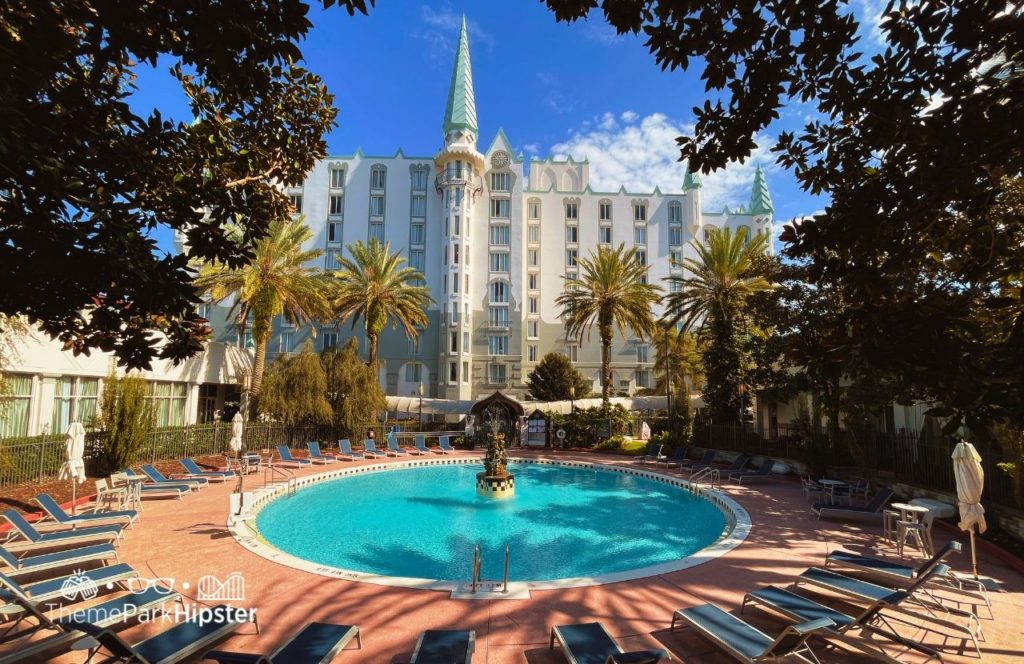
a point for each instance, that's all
(760, 199)
(691, 180)
(460, 111)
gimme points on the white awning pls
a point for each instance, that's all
(411, 406)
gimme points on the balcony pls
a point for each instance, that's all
(455, 178)
(497, 324)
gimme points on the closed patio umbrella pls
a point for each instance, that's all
(74, 463)
(970, 482)
(237, 422)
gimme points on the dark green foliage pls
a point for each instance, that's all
(723, 362)
(556, 379)
(352, 388)
(86, 178)
(126, 416)
(586, 427)
(295, 389)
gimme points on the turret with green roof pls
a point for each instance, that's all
(691, 181)
(760, 199)
(460, 111)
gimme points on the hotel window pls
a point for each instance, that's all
(498, 316)
(639, 212)
(376, 206)
(416, 259)
(745, 230)
(496, 373)
(533, 233)
(378, 177)
(74, 400)
(295, 201)
(328, 340)
(455, 282)
(641, 256)
(571, 257)
(458, 197)
(531, 329)
(534, 306)
(674, 286)
(413, 372)
(604, 235)
(643, 353)
(497, 344)
(643, 378)
(284, 341)
(572, 234)
(14, 418)
(204, 309)
(675, 257)
(572, 351)
(531, 353)
(337, 178)
(640, 235)
(675, 212)
(499, 208)
(458, 224)
(417, 233)
(453, 342)
(531, 281)
(331, 261)
(501, 234)
(499, 261)
(499, 292)
(453, 372)
(334, 232)
(533, 257)
(444, 284)
(501, 181)
(414, 345)
(572, 211)
(467, 278)
(604, 211)
(455, 313)
(419, 206)
(337, 205)
(675, 235)
(169, 403)
(465, 372)
(419, 179)
(533, 209)
(707, 234)
(465, 343)
(377, 231)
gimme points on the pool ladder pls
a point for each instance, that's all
(478, 563)
(712, 475)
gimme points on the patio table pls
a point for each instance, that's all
(830, 488)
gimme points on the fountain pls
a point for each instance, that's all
(495, 482)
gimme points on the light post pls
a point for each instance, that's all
(420, 390)
(668, 384)
(572, 399)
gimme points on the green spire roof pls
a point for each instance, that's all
(691, 180)
(760, 199)
(460, 111)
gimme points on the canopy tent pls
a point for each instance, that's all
(411, 405)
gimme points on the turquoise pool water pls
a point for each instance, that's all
(423, 522)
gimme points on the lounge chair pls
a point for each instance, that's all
(800, 608)
(316, 456)
(176, 489)
(763, 471)
(393, 447)
(677, 457)
(590, 643)
(286, 457)
(420, 445)
(745, 642)
(445, 646)
(345, 448)
(443, 446)
(889, 570)
(179, 642)
(57, 559)
(59, 537)
(80, 585)
(57, 513)
(705, 462)
(192, 469)
(370, 449)
(156, 477)
(652, 453)
(869, 511)
(316, 643)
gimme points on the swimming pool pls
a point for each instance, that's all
(420, 521)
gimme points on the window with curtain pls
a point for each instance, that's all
(169, 403)
(14, 417)
(74, 400)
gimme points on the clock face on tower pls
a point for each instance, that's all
(499, 159)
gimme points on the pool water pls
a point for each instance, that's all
(423, 522)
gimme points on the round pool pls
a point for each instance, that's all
(572, 521)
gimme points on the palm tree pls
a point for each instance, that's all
(710, 298)
(374, 285)
(612, 290)
(275, 281)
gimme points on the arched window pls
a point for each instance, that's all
(378, 177)
(499, 292)
(675, 212)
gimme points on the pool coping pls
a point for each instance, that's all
(241, 527)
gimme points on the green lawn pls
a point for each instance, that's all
(635, 446)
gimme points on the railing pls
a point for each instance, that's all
(712, 475)
(478, 563)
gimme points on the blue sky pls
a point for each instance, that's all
(554, 88)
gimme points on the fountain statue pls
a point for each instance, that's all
(495, 481)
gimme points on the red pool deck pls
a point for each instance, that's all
(185, 539)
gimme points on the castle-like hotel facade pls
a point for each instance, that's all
(495, 237)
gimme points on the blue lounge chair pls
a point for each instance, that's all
(705, 462)
(286, 457)
(420, 445)
(59, 537)
(745, 642)
(62, 586)
(156, 477)
(316, 643)
(869, 511)
(590, 643)
(677, 457)
(652, 453)
(370, 449)
(443, 445)
(763, 471)
(317, 456)
(179, 642)
(345, 446)
(393, 447)
(192, 469)
(889, 570)
(445, 646)
(56, 560)
(57, 513)
(176, 489)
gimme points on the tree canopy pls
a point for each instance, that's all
(295, 389)
(556, 379)
(353, 388)
(86, 178)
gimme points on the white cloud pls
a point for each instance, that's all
(440, 31)
(779, 225)
(551, 93)
(641, 153)
(601, 32)
(531, 148)
(869, 15)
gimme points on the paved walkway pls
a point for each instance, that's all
(186, 539)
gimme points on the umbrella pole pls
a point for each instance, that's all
(74, 495)
(974, 555)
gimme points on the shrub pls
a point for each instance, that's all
(295, 389)
(126, 415)
(611, 443)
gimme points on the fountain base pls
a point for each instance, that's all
(496, 487)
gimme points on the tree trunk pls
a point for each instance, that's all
(606, 364)
(372, 361)
(258, 363)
